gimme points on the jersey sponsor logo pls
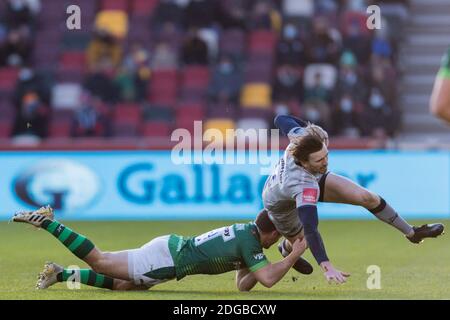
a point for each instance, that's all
(228, 234)
(259, 256)
(309, 195)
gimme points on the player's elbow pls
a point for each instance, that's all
(440, 108)
(243, 288)
(267, 281)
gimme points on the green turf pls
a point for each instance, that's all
(407, 271)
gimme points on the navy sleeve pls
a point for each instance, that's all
(310, 220)
(287, 123)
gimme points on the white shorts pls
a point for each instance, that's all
(152, 263)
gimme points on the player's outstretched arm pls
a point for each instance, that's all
(308, 216)
(274, 272)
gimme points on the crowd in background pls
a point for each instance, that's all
(146, 67)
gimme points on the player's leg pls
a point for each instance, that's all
(338, 189)
(114, 264)
(54, 273)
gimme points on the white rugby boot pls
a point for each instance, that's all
(47, 277)
(34, 218)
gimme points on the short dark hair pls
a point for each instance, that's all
(305, 146)
(264, 223)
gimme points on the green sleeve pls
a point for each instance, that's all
(444, 72)
(253, 255)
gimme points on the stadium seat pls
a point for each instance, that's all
(221, 124)
(350, 18)
(252, 123)
(256, 95)
(73, 60)
(121, 5)
(222, 110)
(262, 41)
(259, 68)
(156, 129)
(75, 41)
(233, 42)
(193, 111)
(5, 128)
(163, 87)
(143, 7)
(60, 125)
(113, 21)
(8, 78)
(140, 31)
(195, 77)
(126, 120)
(127, 113)
(158, 113)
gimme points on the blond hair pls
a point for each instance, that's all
(307, 142)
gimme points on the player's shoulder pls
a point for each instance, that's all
(245, 230)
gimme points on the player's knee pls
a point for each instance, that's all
(368, 200)
(100, 264)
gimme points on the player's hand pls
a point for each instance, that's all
(333, 275)
(298, 247)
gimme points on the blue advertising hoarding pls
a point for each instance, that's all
(99, 185)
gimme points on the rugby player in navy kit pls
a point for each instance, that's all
(301, 179)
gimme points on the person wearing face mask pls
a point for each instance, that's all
(291, 49)
(32, 116)
(288, 83)
(346, 115)
(226, 81)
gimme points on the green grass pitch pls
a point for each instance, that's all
(407, 271)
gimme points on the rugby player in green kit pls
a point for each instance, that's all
(237, 247)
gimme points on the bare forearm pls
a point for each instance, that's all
(279, 269)
(245, 280)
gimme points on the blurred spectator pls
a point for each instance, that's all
(288, 84)
(317, 112)
(16, 49)
(318, 92)
(349, 81)
(355, 5)
(32, 116)
(226, 81)
(231, 14)
(200, 13)
(325, 7)
(29, 81)
(264, 17)
(104, 46)
(168, 11)
(164, 57)
(21, 13)
(134, 74)
(358, 43)
(195, 50)
(99, 82)
(291, 49)
(324, 44)
(90, 118)
(346, 116)
(379, 114)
